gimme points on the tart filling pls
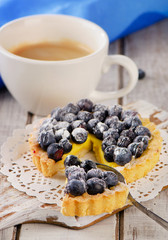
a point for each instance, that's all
(90, 191)
(119, 138)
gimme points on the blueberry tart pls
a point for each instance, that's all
(118, 137)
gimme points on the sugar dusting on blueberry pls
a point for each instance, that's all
(79, 173)
(71, 160)
(45, 139)
(76, 187)
(79, 135)
(99, 129)
(122, 155)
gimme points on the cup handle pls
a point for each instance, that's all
(133, 73)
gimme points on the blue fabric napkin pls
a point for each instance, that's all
(117, 17)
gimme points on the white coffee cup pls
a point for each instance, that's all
(38, 85)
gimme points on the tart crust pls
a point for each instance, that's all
(86, 205)
(135, 169)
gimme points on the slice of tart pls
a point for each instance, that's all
(90, 191)
(119, 138)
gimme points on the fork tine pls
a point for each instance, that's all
(108, 168)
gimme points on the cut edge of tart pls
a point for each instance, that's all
(86, 205)
(47, 165)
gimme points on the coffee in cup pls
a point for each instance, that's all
(65, 49)
(40, 85)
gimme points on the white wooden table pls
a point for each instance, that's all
(149, 49)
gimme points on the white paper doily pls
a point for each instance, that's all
(16, 163)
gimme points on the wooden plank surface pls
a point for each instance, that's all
(103, 230)
(148, 48)
(11, 116)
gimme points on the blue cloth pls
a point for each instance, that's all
(117, 17)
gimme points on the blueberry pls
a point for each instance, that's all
(42, 129)
(109, 120)
(128, 133)
(142, 131)
(69, 117)
(66, 145)
(135, 122)
(99, 129)
(108, 141)
(115, 110)
(46, 122)
(95, 186)
(78, 124)
(144, 139)
(55, 114)
(84, 115)
(62, 133)
(110, 179)
(111, 132)
(55, 151)
(76, 187)
(99, 115)
(49, 129)
(78, 174)
(45, 139)
(71, 160)
(118, 125)
(100, 107)
(128, 113)
(85, 104)
(92, 124)
(122, 155)
(141, 74)
(60, 125)
(136, 149)
(70, 169)
(127, 122)
(109, 153)
(47, 126)
(87, 165)
(79, 135)
(54, 121)
(94, 173)
(123, 141)
(71, 108)
(62, 115)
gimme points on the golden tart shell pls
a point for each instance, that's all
(86, 205)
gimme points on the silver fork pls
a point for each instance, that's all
(150, 214)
